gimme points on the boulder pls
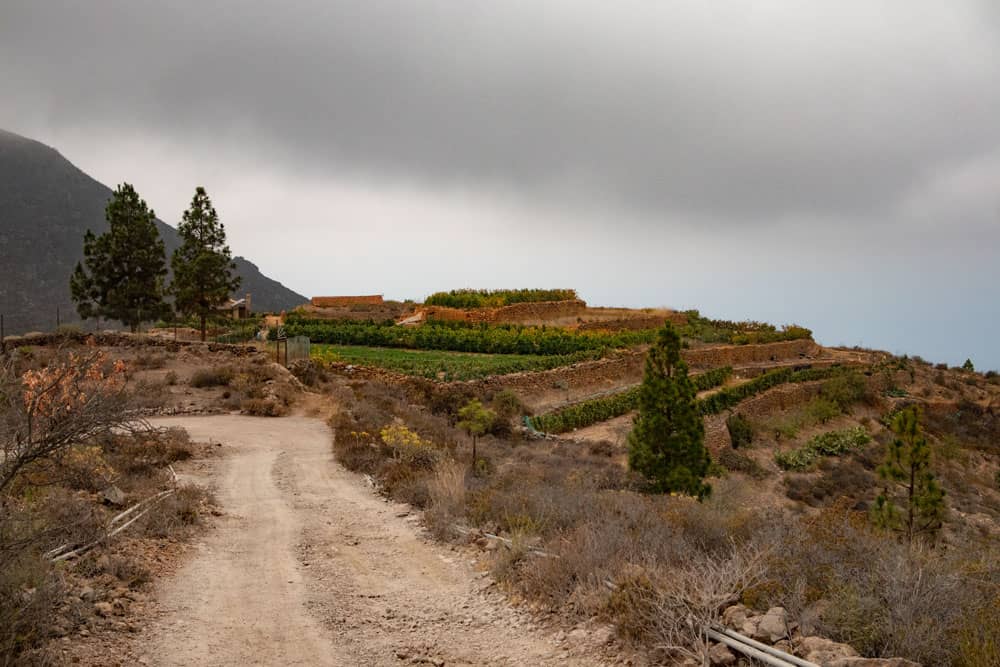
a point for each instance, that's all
(749, 627)
(720, 656)
(735, 616)
(773, 625)
(823, 651)
(114, 496)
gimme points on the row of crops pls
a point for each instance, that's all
(601, 409)
(509, 339)
(443, 365)
(470, 298)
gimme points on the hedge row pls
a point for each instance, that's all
(730, 396)
(615, 405)
(448, 336)
(470, 298)
(608, 407)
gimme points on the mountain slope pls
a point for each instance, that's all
(46, 205)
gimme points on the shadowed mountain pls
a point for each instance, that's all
(46, 206)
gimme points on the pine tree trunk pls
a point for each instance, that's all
(203, 328)
(909, 499)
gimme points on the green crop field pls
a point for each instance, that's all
(437, 364)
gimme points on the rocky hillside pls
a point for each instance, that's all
(46, 205)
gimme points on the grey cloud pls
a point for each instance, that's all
(718, 110)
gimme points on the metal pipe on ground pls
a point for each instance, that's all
(787, 657)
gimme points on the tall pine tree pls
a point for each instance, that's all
(204, 271)
(123, 270)
(667, 442)
(909, 481)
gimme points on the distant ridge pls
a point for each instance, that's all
(46, 205)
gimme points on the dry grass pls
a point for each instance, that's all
(649, 564)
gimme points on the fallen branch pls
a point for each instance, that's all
(60, 553)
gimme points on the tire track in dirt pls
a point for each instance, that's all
(309, 567)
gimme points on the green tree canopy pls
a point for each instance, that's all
(667, 442)
(912, 501)
(475, 420)
(123, 270)
(204, 271)
(968, 366)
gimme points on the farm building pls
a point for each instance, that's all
(236, 309)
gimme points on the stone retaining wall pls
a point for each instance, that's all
(120, 339)
(517, 312)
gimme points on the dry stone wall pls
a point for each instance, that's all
(116, 339)
(517, 312)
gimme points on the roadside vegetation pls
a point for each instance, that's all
(586, 539)
(74, 455)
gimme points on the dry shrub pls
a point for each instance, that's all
(149, 361)
(177, 513)
(219, 376)
(877, 594)
(734, 461)
(263, 407)
(446, 490)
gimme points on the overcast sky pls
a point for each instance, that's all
(835, 164)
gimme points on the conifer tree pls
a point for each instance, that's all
(204, 271)
(122, 273)
(475, 420)
(907, 474)
(968, 366)
(667, 442)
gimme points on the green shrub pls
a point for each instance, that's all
(822, 410)
(740, 431)
(844, 389)
(831, 443)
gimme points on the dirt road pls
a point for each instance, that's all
(309, 567)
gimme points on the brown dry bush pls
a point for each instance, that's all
(149, 361)
(263, 407)
(176, 514)
(219, 376)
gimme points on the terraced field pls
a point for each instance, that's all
(444, 365)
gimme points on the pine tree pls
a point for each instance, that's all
(906, 472)
(475, 420)
(667, 442)
(122, 273)
(968, 366)
(204, 271)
